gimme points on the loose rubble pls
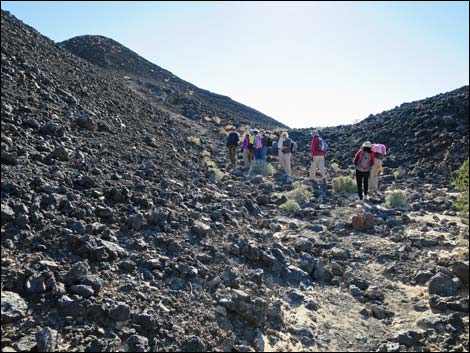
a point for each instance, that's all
(115, 237)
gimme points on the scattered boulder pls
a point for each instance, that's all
(82, 290)
(76, 273)
(60, 153)
(137, 343)
(409, 338)
(47, 340)
(460, 269)
(85, 121)
(363, 221)
(442, 285)
(200, 229)
(13, 307)
(120, 312)
(7, 213)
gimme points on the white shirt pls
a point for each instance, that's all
(280, 142)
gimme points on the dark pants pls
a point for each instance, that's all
(232, 153)
(362, 178)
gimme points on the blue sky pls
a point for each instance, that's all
(305, 64)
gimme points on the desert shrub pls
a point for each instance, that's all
(352, 172)
(396, 174)
(217, 120)
(209, 162)
(262, 168)
(290, 206)
(206, 153)
(396, 199)
(335, 167)
(343, 185)
(299, 193)
(217, 172)
(460, 181)
(194, 139)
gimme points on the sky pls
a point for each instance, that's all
(306, 64)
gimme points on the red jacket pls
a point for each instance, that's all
(313, 148)
(359, 154)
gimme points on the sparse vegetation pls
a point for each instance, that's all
(209, 162)
(396, 174)
(217, 120)
(290, 206)
(460, 181)
(352, 172)
(343, 185)
(299, 193)
(335, 167)
(262, 168)
(194, 139)
(396, 199)
(461, 251)
(217, 172)
(212, 167)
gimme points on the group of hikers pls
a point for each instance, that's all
(257, 144)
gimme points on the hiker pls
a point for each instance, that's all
(232, 142)
(363, 160)
(285, 145)
(248, 144)
(251, 146)
(267, 143)
(318, 151)
(245, 150)
(380, 152)
(258, 145)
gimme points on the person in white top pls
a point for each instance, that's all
(284, 146)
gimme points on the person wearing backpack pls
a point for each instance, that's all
(247, 154)
(267, 143)
(285, 147)
(258, 145)
(232, 142)
(363, 160)
(318, 150)
(380, 151)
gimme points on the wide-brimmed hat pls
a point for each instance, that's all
(315, 133)
(367, 144)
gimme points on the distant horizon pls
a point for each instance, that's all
(303, 64)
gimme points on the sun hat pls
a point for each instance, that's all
(315, 133)
(367, 144)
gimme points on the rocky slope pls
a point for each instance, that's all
(116, 237)
(161, 85)
(427, 138)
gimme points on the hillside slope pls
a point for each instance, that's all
(427, 138)
(162, 85)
